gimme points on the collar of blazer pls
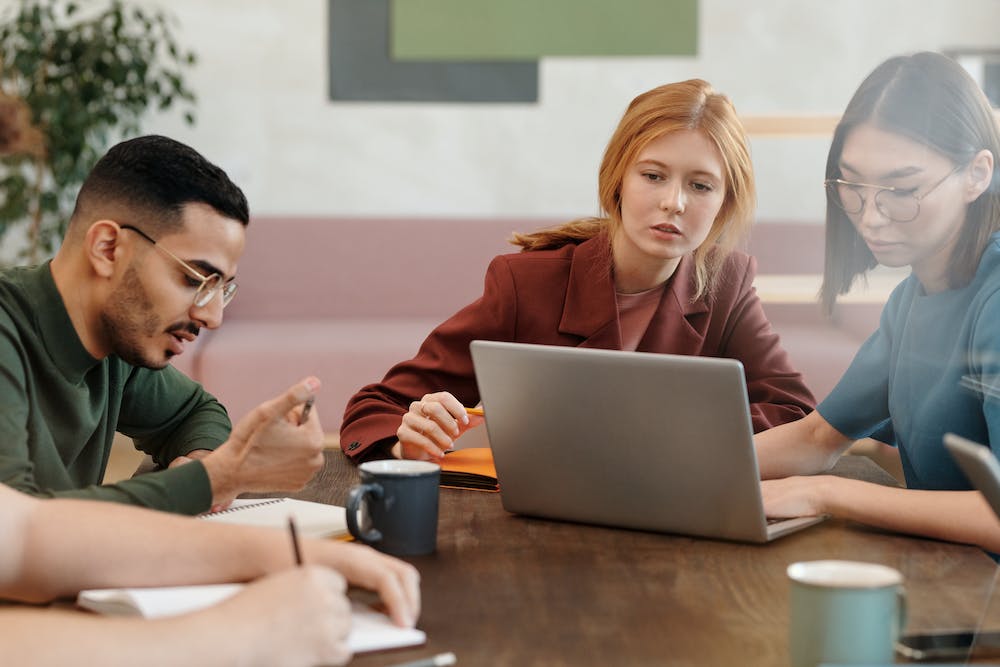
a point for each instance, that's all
(590, 309)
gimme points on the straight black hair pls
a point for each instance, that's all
(928, 98)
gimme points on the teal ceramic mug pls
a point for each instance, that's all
(844, 612)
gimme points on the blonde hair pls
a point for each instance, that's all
(687, 105)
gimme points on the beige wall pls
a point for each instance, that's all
(265, 117)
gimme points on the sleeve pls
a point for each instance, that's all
(858, 406)
(185, 489)
(443, 363)
(776, 391)
(984, 365)
(168, 414)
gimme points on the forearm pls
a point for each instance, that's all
(44, 637)
(180, 491)
(954, 516)
(115, 546)
(804, 447)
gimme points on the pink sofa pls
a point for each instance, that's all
(821, 347)
(342, 299)
(345, 299)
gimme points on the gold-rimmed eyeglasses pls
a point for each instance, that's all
(897, 204)
(208, 285)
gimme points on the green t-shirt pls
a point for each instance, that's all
(61, 408)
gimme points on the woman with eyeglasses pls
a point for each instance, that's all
(656, 273)
(911, 180)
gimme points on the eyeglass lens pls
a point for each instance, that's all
(898, 206)
(206, 292)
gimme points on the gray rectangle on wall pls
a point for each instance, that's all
(361, 68)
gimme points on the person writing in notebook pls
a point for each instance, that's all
(657, 273)
(911, 180)
(288, 616)
(148, 261)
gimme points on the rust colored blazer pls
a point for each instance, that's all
(567, 297)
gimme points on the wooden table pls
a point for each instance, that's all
(512, 590)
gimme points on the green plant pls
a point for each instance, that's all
(87, 78)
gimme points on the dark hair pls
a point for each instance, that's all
(151, 179)
(928, 98)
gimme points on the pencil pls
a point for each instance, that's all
(295, 540)
(439, 660)
(305, 411)
(475, 411)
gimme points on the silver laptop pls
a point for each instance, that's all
(654, 442)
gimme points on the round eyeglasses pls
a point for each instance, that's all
(208, 285)
(897, 204)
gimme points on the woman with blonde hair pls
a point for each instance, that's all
(657, 273)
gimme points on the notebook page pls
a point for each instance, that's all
(311, 519)
(371, 630)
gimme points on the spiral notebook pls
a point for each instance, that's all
(311, 519)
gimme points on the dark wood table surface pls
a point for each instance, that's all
(511, 590)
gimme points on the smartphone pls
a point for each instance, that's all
(948, 645)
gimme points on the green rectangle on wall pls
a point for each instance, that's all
(471, 30)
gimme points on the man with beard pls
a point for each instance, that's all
(148, 260)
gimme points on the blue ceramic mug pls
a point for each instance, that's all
(398, 506)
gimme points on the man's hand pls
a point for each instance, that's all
(268, 450)
(193, 455)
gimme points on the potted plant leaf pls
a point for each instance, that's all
(73, 80)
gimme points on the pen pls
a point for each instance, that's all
(295, 540)
(305, 411)
(475, 411)
(439, 660)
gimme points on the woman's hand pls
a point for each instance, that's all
(431, 426)
(796, 496)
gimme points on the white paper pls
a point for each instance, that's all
(311, 519)
(371, 630)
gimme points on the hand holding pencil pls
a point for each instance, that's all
(431, 426)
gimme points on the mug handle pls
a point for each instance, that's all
(358, 495)
(904, 611)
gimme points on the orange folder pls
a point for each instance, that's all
(470, 469)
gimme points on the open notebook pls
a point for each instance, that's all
(371, 630)
(311, 519)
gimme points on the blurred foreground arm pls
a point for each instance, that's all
(56, 548)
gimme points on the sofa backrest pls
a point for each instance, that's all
(788, 247)
(304, 268)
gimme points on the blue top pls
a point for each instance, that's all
(932, 367)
